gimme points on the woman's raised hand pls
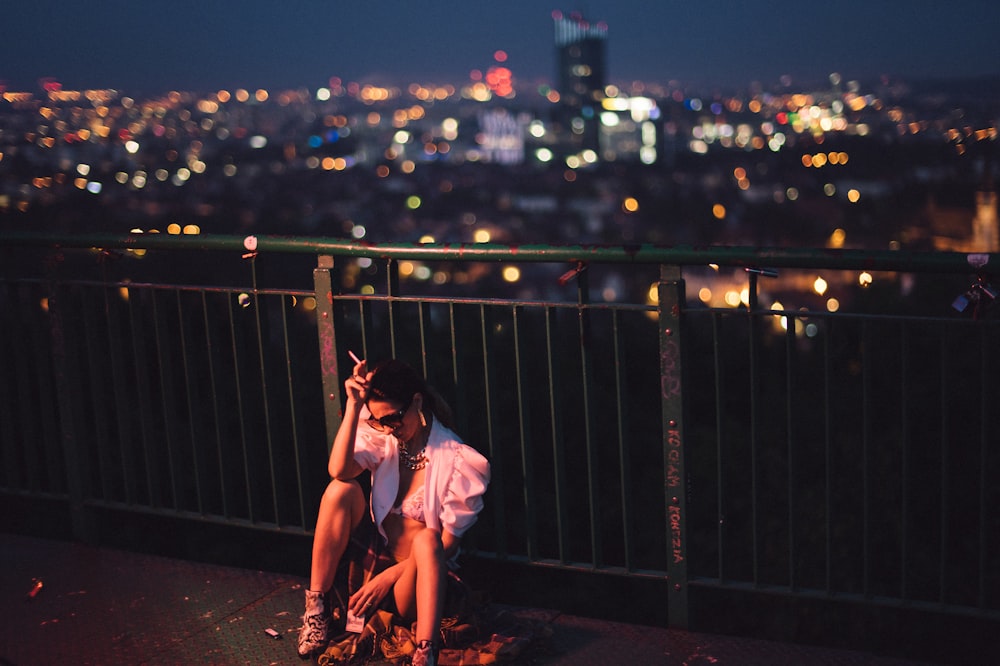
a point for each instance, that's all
(357, 383)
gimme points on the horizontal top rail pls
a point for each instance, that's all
(750, 257)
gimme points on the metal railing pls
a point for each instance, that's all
(814, 452)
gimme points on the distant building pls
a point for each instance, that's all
(630, 130)
(581, 77)
(502, 136)
(952, 230)
(985, 227)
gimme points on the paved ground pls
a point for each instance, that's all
(101, 606)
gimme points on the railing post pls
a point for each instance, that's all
(327, 335)
(671, 299)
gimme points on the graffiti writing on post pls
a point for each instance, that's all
(674, 467)
(327, 346)
(670, 377)
(676, 541)
(673, 458)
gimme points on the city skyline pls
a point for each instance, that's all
(205, 46)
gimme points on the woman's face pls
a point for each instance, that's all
(403, 421)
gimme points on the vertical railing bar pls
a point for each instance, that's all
(866, 420)
(16, 471)
(8, 453)
(496, 461)
(216, 415)
(828, 455)
(558, 446)
(118, 387)
(422, 334)
(145, 408)
(95, 359)
(192, 430)
(166, 394)
(790, 322)
(31, 429)
(754, 438)
(457, 367)
(9, 409)
(586, 363)
(904, 403)
(945, 464)
(40, 473)
(392, 289)
(292, 415)
(240, 413)
(68, 466)
(268, 435)
(984, 446)
(528, 492)
(453, 332)
(624, 452)
(720, 467)
(362, 327)
(44, 471)
(364, 317)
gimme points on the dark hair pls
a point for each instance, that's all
(396, 381)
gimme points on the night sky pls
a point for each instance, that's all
(205, 45)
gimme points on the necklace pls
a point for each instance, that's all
(413, 462)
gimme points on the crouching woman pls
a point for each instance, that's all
(426, 492)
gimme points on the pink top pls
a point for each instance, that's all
(412, 506)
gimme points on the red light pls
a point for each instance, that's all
(500, 80)
(500, 56)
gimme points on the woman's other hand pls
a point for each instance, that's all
(372, 593)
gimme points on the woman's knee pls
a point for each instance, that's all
(427, 542)
(342, 493)
(344, 499)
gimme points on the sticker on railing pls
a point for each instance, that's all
(978, 260)
(250, 243)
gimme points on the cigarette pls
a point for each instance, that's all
(354, 356)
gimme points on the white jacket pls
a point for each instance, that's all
(456, 477)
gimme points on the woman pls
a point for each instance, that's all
(427, 490)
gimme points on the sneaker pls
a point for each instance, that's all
(315, 631)
(425, 654)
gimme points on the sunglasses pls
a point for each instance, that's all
(392, 421)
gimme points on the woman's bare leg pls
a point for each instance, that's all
(340, 511)
(421, 589)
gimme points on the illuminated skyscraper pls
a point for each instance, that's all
(580, 59)
(581, 75)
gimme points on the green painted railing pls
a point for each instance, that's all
(815, 452)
